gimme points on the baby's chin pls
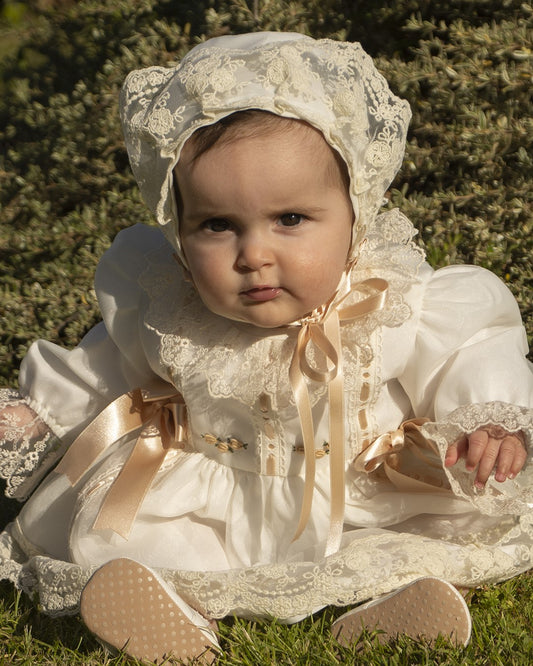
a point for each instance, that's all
(262, 325)
(257, 322)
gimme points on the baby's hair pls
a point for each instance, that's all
(256, 122)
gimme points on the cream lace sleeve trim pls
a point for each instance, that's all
(512, 497)
(28, 448)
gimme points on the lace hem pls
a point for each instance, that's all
(28, 448)
(468, 550)
(370, 563)
(511, 497)
(59, 584)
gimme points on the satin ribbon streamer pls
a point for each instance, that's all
(384, 452)
(163, 419)
(324, 332)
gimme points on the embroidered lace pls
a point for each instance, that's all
(332, 85)
(374, 562)
(28, 449)
(515, 496)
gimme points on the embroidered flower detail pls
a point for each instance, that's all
(288, 72)
(319, 453)
(277, 71)
(350, 103)
(212, 76)
(162, 120)
(379, 153)
(230, 444)
(148, 80)
(223, 80)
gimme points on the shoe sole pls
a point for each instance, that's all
(424, 609)
(127, 607)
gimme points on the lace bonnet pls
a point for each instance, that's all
(334, 86)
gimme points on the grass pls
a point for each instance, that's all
(502, 635)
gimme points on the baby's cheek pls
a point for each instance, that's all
(325, 276)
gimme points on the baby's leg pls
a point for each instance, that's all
(129, 607)
(426, 608)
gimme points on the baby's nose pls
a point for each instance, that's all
(254, 252)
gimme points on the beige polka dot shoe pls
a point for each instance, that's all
(130, 608)
(425, 609)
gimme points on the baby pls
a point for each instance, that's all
(284, 406)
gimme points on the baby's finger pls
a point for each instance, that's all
(519, 460)
(455, 451)
(509, 447)
(477, 443)
(488, 461)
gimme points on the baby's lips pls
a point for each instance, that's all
(263, 293)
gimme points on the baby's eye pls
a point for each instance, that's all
(216, 224)
(291, 219)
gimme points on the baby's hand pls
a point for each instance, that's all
(490, 447)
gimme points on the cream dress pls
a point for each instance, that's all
(218, 521)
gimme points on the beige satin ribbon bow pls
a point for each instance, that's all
(324, 332)
(383, 451)
(163, 419)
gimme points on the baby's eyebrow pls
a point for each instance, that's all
(303, 209)
(200, 214)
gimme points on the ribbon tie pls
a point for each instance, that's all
(384, 452)
(324, 331)
(163, 419)
(163, 422)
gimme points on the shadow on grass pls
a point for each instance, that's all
(8, 508)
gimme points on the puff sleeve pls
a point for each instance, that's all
(469, 346)
(68, 388)
(62, 390)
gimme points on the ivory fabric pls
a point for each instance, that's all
(220, 516)
(219, 519)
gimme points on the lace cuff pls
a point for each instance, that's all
(28, 448)
(511, 497)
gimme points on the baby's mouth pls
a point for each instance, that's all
(261, 293)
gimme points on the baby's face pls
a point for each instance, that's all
(265, 225)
